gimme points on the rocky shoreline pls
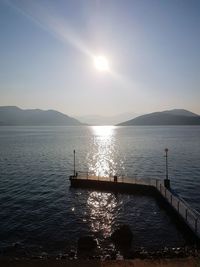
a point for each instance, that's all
(18, 252)
(119, 246)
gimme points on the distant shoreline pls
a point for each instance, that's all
(117, 126)
(15, 116)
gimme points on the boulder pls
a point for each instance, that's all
(87, 243)
(122, 236)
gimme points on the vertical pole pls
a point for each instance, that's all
(74, 163)
(186, 214)
(178, 203)
(166, 181)
(166, 156)
(196, 225)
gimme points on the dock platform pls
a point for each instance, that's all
(179, 208)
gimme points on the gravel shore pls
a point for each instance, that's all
(186, 262)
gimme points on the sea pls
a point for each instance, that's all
(40, 212)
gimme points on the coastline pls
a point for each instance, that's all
(183, 262)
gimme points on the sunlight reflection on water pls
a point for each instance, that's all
(102, 158)
(102, 212)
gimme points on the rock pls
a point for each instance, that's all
(44, 255)
(107, 257)
(17, 245)
(72, 254)
(63, 257)
(122, 236)
(87, 243)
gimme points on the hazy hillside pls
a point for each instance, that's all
(106, 120)
(11, 115)
(180, 112)
(169, 117)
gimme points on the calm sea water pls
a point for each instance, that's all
(40, 210)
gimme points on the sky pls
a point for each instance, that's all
(47, 51)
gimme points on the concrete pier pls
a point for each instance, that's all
(175, 205)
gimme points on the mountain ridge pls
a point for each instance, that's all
(181, 112)
(167, 117)
(15, 116)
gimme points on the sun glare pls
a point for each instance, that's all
(101, 63)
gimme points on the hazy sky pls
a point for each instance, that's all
(47, 49)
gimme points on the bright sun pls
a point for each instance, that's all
(101, 63)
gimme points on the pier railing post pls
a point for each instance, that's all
(195, 227)
(171, 199)
(186, 214)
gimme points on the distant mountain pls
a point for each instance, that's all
(168, 117)
(181, 112)
(11, 115)
(106, 120)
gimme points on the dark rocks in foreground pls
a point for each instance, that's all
(119, 246)
(87, 243)
(18, 253)
(122, 236)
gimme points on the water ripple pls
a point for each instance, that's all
(39, 209)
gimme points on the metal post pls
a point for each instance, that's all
(74, 163)
(186, 214)
(166, 156)
(196, 220)
(166, 181)
(171, 199)
(178, 203)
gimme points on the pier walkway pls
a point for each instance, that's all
(181, 208)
